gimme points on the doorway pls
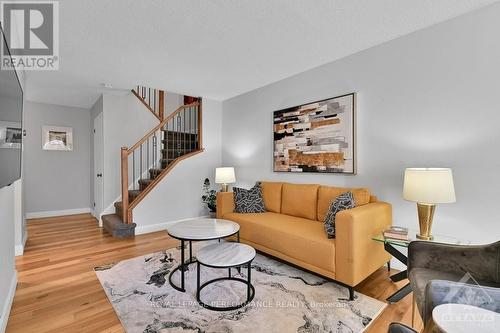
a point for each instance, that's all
(98, 166)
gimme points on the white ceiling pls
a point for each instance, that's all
(217, 48)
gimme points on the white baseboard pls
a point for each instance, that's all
(8, 304)
(146, 229)
(19, 249)
(39, 215)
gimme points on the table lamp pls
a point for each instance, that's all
(428, 187)
(224, 176)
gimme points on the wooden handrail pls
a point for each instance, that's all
(146, 104)
(126, 152)
(160, 125)
(145, 192)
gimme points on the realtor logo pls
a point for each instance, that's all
(31, 29)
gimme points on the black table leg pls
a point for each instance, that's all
(198, 268)
(190, 252)
(183, 266)
(399, 276)
(249, 280)
(398, 295)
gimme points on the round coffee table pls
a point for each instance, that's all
(226, 255)
(462, 318)
(198, 230)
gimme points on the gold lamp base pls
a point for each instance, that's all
(425, 215)
(224, 187)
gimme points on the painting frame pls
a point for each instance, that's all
(11, 135)
(349, 164)
(58, 138)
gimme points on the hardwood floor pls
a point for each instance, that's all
(59, 292)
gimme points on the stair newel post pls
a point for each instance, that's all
(124, 167)
(161, 104)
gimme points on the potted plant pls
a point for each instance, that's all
(209, 197)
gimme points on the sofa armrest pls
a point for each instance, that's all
(357, 255)
(225, 203)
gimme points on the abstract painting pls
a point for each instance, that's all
(316, 137)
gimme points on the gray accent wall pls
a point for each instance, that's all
(56, 180)
(426, 99)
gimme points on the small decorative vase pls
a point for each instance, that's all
(212, 215)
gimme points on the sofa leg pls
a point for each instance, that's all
(351, 293)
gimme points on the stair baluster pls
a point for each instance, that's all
(179, 134)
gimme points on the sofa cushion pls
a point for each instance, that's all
(326, 194)
(299, 200)
(248, 201)
(296, 237)
(342, 202)
(271, 193)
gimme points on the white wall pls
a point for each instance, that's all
(56, 181)
(178, 196)
(126, 121)
(7, 264)
(12, 226)
(427, 99)
(173, 102)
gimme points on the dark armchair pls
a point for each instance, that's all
(474, 269)
(400, 328)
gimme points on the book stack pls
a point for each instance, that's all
(397, 233)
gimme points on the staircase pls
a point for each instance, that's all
(178, 136)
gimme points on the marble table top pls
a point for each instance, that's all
(462, 318)
(225, 254)
(203, 229)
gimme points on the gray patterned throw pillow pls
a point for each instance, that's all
(342, 202)
(248, 201)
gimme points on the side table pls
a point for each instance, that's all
(392, 245)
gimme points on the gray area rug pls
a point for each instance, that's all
(286, 300)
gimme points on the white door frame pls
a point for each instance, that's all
(98, 177)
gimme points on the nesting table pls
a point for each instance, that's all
(198, 230)
(226, 255)
(462, 318)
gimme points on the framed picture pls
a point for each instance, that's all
(11, 135)
(57, 138)
(316, 137)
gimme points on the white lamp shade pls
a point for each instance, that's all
(429, 185)
(224, 175)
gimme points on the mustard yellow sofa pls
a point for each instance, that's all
(292, 229)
